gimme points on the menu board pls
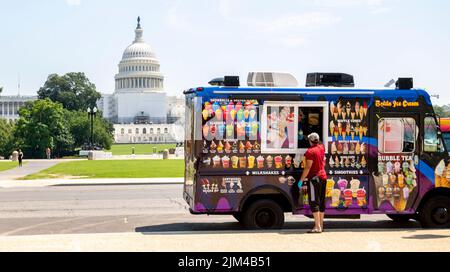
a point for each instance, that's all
(348, 152)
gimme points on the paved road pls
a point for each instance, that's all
(155, 218)
(128, 208)
(30, 167)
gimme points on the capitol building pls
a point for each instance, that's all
(139, 107)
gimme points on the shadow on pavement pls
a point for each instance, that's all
(427, 237)
(289, 227)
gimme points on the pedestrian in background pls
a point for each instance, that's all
(20, 157)
(48, 152)
(314, 178)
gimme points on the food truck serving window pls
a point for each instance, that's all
(396, 135)
(285, 126)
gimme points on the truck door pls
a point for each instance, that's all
(395, 176)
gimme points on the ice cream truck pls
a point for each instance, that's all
(385, 153)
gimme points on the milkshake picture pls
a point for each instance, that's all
(235, 162)
(381, 167)
(226, 162)
(329, 187)
(291, 180)
(389, 192)
(333, 148)
(389, 167)
(335, 197)
(205, 114)
(385, 178)
(288, 161)
(251, 162)
(278, 162)
(230, 131)
(381, 193)
(361, 197)
(342, 184)
(243, 162)
(401, 180)
(406, 193)
(216, 161)
(269, 161)
(348, 197)
(260, 162)
(354, 186)
(240, 129)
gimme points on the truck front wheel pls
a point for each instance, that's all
(436, 213)
(263, 214)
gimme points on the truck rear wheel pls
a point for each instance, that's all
(436, 213)
(263, 214)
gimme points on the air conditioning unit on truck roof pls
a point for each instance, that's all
(271, 79)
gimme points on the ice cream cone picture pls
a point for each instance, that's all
(252, 115)
(339, 108)
(205, 114)
(357, 108)
(215, 106)
(353, 115)
(219, 114)
(230, 106)
(208, 105)
(331, 162)
(240, 115)
(361, 112)
(246, 114)
(358, 149)
(344, 134)
(344, 115)
(336, 133)
(361, 132)
(347, 162)
(227, 147)
(363, 149)
(357, 130)
(332, 126)
(366, 108)
(333, 148)
(336, 114)
(353, 134)
(220, 147)
(233, 113)
(340, 148)
(365, 131)
(348, 108)
(336, 161)
(206, 131)
(332, 107)
(340, 128)
(346, 149)
(363, 162)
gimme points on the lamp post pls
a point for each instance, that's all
(91, 114)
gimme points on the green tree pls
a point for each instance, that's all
(73, 90)
(441, 111)
(42, 124)
(7, 144)
(79, 123)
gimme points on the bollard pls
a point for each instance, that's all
(132, 150)
(154, 150)
(91, 155)
(165, 154)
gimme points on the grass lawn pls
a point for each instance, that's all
(114, 169)
(8, 165)
(140, 149)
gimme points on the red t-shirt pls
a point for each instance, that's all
(316, 153)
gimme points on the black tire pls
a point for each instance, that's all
(435, 213)
(400, 218)
(263, 214)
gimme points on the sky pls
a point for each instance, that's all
(197, 40)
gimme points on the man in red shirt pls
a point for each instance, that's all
(315, 179)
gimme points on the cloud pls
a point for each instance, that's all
(305, 21)
(73, 3)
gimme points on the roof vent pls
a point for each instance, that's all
(329, 80)
(218, 81)
(231, 81)
(271, 79)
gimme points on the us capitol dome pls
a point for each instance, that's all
(139, 104)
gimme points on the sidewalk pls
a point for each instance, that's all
(282, 241)
(29, 167)
(80, 182)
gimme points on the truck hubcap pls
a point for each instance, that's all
(265, 218)
(440, 216)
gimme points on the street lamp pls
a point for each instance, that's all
(91, 114)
